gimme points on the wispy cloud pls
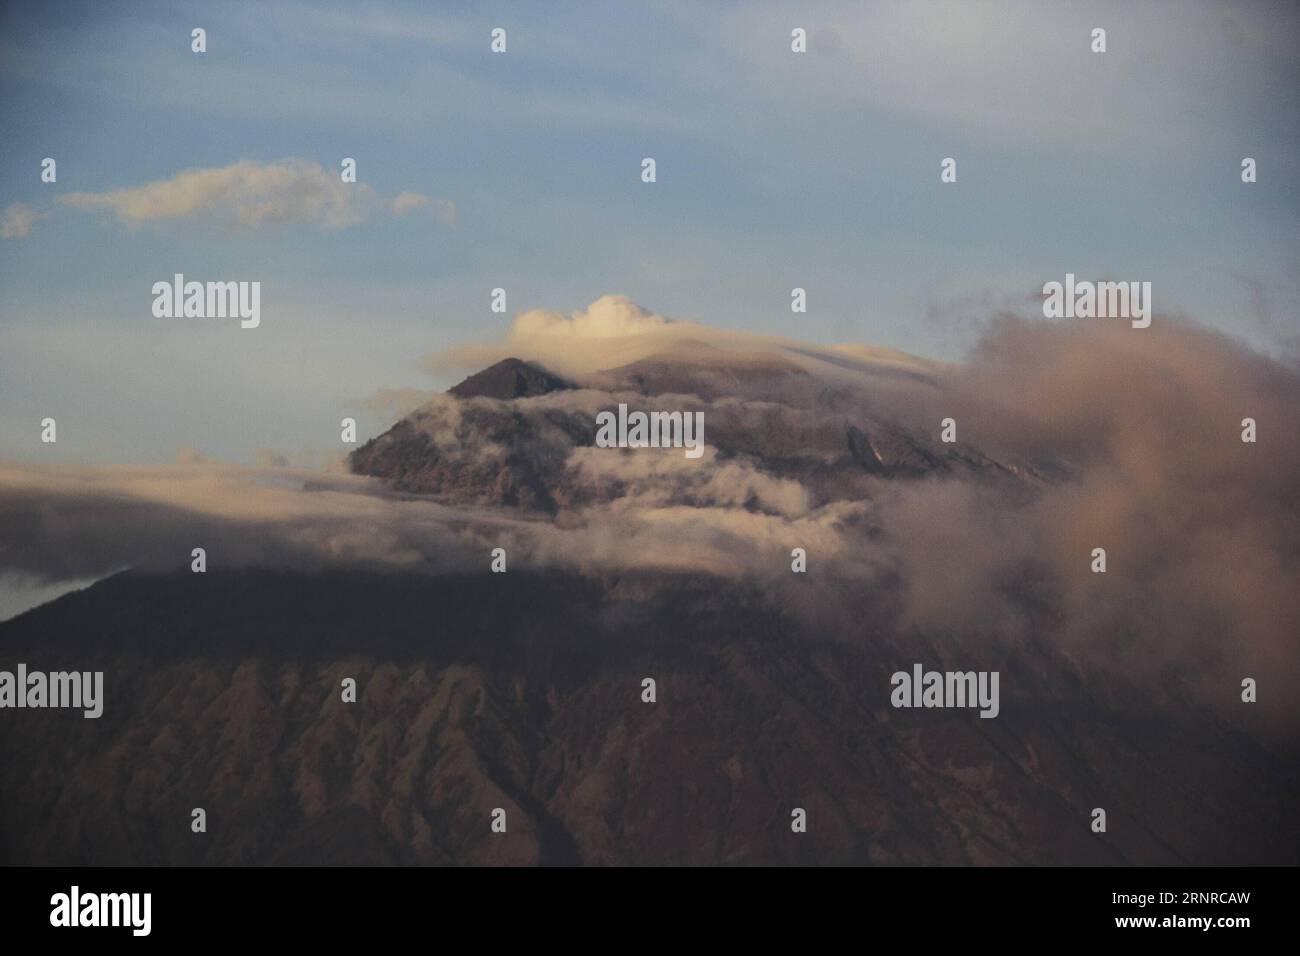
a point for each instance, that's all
(406, 203)
(1021, 73)
(614, 330)
(18, 220)
(245, 195)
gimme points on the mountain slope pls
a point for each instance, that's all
(523, 691)
(511, 434)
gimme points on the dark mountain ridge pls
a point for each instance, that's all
(517, 450)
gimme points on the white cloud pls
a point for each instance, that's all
(607, 317)
(248, 195)
(615, 331)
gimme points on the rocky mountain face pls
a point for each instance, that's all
(507, 435)
(524, 692)
(478, 445)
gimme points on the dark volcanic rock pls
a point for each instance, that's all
(509, 378)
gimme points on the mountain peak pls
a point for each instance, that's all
(510, 378)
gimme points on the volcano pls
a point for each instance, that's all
(525, 692)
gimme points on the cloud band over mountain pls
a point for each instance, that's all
(1071, 436)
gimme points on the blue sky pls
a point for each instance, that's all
(775, 170)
